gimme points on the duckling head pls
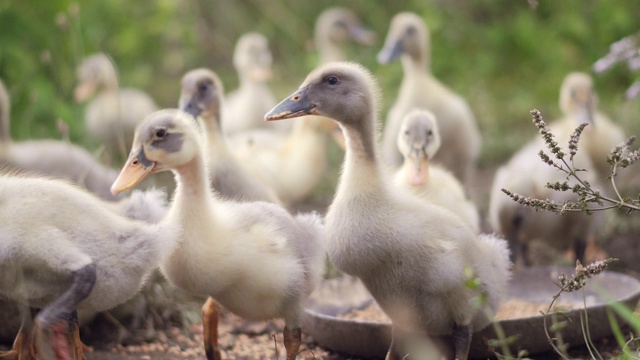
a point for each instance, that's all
(252, 57)
(407, 34)
(343, 91)
(95, 72)
(165, 140)
(339, 26)
(201, 95)
(418, 141)
(578, 98)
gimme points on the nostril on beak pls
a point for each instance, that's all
(295, 98)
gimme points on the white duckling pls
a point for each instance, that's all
(418, 142)
(111, 117)
(526, 175)
(63, 250)
(255, 258)
(202, 97)
(291, 164)
(53, 158)
(334, 28)
(579, 104)
(411, 255)
(408, 38)
(245, 107)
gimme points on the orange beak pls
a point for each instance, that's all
(84, 91)
(137, 168)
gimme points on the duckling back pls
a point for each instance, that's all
(65, 161)
(51, 228)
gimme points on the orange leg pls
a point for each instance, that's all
(23, 347)
(292, 341)
(76, 345)
(210, 319)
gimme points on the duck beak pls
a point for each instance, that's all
(362, 35)
(189, 106)
(585, 114)
(391, 51)
(419, 173)
(84, 91)
(261, 74)
(296, 105)
(137, 168)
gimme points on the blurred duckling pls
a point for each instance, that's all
(53, 158)
(579, 104)
(245, 107)
(335, 27)
(64, 250)
(202, 97)
(255, 258)
(111, 116)
(414, 257)
(419, 141)
(408, 39)
(527, 175)
(291, 164)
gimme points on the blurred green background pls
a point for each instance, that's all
(504, 56)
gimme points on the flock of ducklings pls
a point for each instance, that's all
(401, 219)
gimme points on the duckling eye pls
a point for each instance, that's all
(429, 133)
(203, 87)
(331, 80)
(406, 132)
(160, 133)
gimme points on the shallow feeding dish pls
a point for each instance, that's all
(325, 317)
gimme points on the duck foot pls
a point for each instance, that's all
(292, 341)
(22, 349)
(210, 319)
(77, 346)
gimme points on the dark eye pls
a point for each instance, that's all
(429, 133)
(203, 87)
(160, 133)
(406, 132)
(340, 23)
(411, 30)
(331, 80)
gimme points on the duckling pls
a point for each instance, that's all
(579, 104)
(245, 107)
(53, 158)
(418, 141)
(112, 115)
(411, 255)
(255, 258)
(526, 175)
(63, 250)
(202, 97)
(291, 164)
(408, 38)
(334, 28)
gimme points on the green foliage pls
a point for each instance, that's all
(504, 56)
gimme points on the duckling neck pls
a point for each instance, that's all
(415, 63)
(216, 142)
(362, 172)
(192, 183)
(329, 51)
